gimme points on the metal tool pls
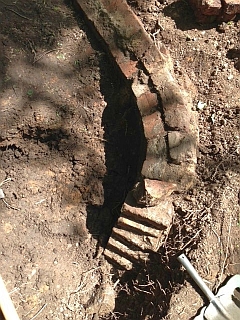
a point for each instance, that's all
(225, 304)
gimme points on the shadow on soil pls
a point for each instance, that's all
(124, 147)
(182, 13)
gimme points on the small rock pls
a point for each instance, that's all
(201, 105)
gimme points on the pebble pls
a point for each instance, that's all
(201, 105)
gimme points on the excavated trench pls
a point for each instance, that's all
(150, 147)
(125, 153)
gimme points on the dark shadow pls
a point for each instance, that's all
(234, 54)
(182, 13)
(125, 147)
(146, 291)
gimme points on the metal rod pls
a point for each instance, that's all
(199, 281)
(196, 277)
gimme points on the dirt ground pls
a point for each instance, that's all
(69, 144)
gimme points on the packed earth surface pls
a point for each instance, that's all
(69, 144)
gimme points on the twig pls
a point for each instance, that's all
(43, 54)
(196, 234)
(18, 14)
(9, 206)
(140, 290)
(42, 308)
(227, 249)
(2, 195)
(81, 286)
(220, 163)
(4, 181)
(6, 4)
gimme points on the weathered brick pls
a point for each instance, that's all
(134, 51)
(181, 147)
(211, 7)
(150, 192)
(147, 102)
(153, 125)
(177, 116)
(159, 97)
(155, 168)
(207, 11)
(231, 7)
(150, 215)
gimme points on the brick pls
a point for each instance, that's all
(154, 168)
(153, 125)
(131, 225)
(144, 224)
(120, 254)
(152, 192)
(156, 147)
(134, 51)
(151, 215)
(137, 238)
(182, 148)
(211, 7)
(177, 116)
(147, 102)
(137, 230)
(231, 7)
(207, 7)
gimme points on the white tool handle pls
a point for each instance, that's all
(196, 277)
(199, 281)
(6, 305)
